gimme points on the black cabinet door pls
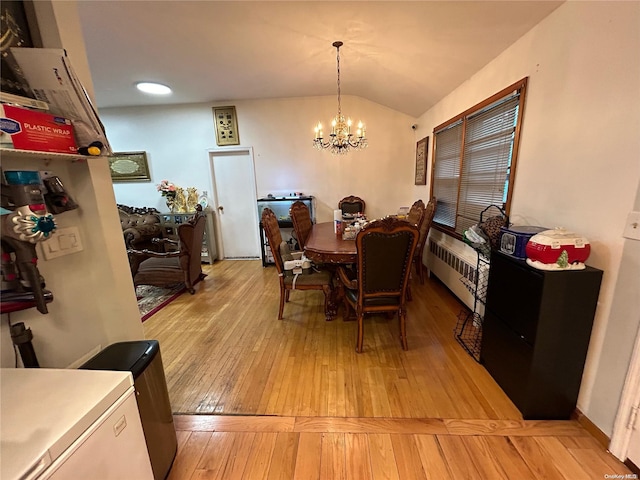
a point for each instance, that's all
(513, 294)
(507, 357)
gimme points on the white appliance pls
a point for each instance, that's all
(70, 424)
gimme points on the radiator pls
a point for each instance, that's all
(454, 264)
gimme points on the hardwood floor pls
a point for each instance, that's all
(225, 352)
(292, 399)
(229, 447)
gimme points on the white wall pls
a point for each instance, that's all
(94, 301)
(176, 139)
(579, 161)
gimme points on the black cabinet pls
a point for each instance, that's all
(536, 333)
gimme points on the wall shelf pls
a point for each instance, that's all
(37, 155)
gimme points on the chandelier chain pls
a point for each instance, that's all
(338, 62)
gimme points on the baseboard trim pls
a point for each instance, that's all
(591, 427)
(632, 466)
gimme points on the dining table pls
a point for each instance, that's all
(325, 246)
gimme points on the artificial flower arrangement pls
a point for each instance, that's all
(166, 188)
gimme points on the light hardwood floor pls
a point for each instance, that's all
(292, 399)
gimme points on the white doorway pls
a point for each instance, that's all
(235, 202)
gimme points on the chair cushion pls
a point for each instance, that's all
(153, 263)
(352, 296)
(322, 277)
(159, 272)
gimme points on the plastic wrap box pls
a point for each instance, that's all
(513, 240)
(24, 129)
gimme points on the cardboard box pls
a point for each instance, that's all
(24, 129)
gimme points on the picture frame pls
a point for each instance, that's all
(129, 167)
(422, 151)
(226, 126)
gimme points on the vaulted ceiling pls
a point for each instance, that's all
(403, 55)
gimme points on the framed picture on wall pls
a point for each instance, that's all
(129, 167)
(422, 149)
(226, 125)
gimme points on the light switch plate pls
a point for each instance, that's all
(63, 242)
(632, 227)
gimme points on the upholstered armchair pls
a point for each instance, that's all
(385, 252)
(168, 268)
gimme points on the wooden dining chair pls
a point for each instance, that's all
(352, 204)
(416, 213)
(316, 280)
(385, 251)
(429, 212)
(302, 223)
(415, 217)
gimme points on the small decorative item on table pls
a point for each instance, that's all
(204, 200)
(349, 233)
(168, 191)
(557, 250)
(180, 200)
(192, 199)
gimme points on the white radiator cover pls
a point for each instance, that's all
(450, 260)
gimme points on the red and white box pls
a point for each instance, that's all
(24, 129)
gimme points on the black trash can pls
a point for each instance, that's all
(142, 358)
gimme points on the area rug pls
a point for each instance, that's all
(151, 299)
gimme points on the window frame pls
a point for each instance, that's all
(463, 117)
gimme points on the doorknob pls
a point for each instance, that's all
(221, 208)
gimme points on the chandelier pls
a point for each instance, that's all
(341, 140)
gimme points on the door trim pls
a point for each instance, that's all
(212, 153)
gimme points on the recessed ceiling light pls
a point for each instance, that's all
(153, 88)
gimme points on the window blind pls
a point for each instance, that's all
(474, 154)
(486, 161)
(446, 173)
